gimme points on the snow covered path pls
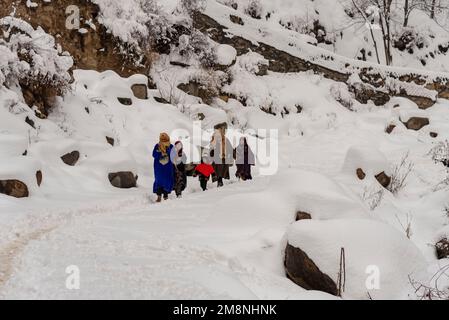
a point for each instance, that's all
(204, 246)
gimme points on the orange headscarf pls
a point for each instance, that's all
(164, 142)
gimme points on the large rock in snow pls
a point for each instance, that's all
(319, 196)
(442, 248)
(123, 180)
(71, 158)
(14, 188)
(417, 123)
(373, 251)
(364, 161)
(19, 176)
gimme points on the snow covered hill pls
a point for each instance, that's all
(369, 177)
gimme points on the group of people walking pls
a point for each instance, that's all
(170, 164)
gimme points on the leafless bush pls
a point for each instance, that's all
(340, 93)
(197, 44)
(168, 89)
(440, 153)
(433, 290)
(407, 225)
(400, 174)
(373, 196)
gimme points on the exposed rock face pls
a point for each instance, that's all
(42, 97)
(140, 91)
(94, 50)
(416, 123)
(300, 215)
(71, 158)
(283, 62)
(442, 248)
(305, 273)
(383, 179)
(363, 94)
(123, 180)
(14, 188)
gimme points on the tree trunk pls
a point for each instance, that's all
(432, 9)
(406, 12)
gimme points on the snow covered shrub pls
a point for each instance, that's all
(230, 3)
(191, 6)
(253, 63)
(400, 173)
(196, 45)
(295, 23)
(440, 153)
(254, 9)
(340, 92)
(32, 57)
(409, 40)
(210, 83)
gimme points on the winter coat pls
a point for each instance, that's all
(180, 172)
(205, 169)
(163, 171)
(244, 157)
(222, 162)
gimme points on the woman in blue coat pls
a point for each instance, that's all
(163, 168)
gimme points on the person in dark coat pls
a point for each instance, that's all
(222, 155)
(163, 168)
(244, 159)
(179, 162)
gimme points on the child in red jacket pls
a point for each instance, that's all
(204, 170)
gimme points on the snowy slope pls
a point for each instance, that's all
(227, 243)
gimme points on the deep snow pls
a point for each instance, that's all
(223, 243)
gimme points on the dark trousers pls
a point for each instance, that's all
(203, 182)
(161, 192)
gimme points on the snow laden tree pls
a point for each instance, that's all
(391, 18)
(434, 8)
(30, 58)
(375, 14)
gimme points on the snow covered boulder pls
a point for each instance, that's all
(117, 165)
(379, 259)
(14, 188)
(71, 158)
(414, 119)
(125, 101)
(123, 180)
(442, 248)
(318, 196)
(225, 55)
(417, 123)
(19, 177)
(300, 215)
(367, 161)
(140, 91)
(138, 84)
(254, 63)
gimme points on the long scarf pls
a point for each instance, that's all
(164, 143)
